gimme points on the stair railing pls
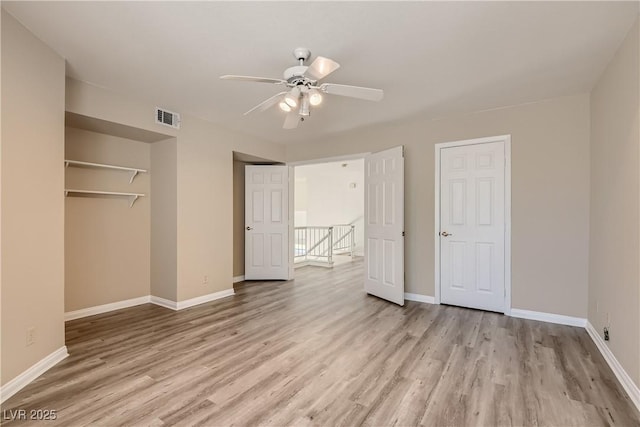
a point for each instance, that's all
(316, 245)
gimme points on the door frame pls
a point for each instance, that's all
(506, 140)
(292, 191)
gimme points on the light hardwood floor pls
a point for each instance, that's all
(318, 351)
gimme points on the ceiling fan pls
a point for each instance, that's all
(302, 88)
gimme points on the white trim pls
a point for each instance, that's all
(507, 225)
(419, 298)
(22, 380)
(237, 279)
(166, 303)
(313, 264)
(436, 230)
(627, 383)
(506, 139)
(291, 221)
(99, 309)
(205, 298)
(181, 305)
(559, 319)
(329, 159)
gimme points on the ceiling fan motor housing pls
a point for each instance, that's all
(297, 71)
(295, 75)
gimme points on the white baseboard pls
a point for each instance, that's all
(99, 309)
(166, 303)
(419, 298)
(627, 383)
(559, 319)
(180, 305)
(205, 298)
(313, 264)
(237, 279)
(22, 380)
(173, 305)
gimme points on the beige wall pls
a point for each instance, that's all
(614, 274)
(32, 194)
(550, 193)
(238, 218)
(164, 219)
(107, 253)
(204, 183)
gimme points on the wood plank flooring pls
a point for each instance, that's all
(318, 351)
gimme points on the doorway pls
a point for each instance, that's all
(473, 223)
(240, 162)
(328, 212)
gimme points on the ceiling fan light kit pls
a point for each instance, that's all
(304, 106)
(315, 98)
(292, 97)
(303, 89)
(284, 106)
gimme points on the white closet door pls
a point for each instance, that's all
(472, 226)
(266, 222)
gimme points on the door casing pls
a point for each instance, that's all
(506, 140)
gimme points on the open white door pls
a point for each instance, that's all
(384, 224)
(266, 223)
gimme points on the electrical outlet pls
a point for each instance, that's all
(205, 280)
(606, 333)
(31, 335)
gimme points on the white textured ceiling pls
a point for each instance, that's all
(431, 58)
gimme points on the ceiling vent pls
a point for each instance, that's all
(167, 118)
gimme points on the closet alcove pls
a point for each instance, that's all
(108, 210)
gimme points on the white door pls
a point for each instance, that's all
(472, 226)
(266, 223)
(384, 225)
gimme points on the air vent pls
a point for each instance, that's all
(167, 118)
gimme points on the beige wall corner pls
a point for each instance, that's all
(550, 149)
(238, 218)
(164, 256)
(33, 91)
(614, 266)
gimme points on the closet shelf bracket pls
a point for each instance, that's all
(132, 199)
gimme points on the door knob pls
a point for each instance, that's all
(249, 228)
(445, 234)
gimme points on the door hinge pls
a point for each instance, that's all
(403, 234)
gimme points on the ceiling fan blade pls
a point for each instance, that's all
(366, 93)
(253, 79)
(291, 121)
(321, 67)
(266, 103)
